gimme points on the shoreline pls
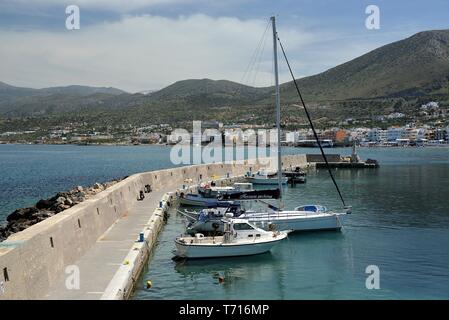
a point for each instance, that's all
(170, 145)
(86, 145)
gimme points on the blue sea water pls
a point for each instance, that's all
(400, 223)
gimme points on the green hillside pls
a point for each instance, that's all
(393, 77)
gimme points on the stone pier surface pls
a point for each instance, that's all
(100, 263)
(99, 237)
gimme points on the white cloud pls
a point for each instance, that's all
(138, 53)
(148, 52)
(106, 5)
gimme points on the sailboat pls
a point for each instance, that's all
(303, 218)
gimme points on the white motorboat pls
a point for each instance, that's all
(240, 238)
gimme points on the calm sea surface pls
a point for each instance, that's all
(400, 223)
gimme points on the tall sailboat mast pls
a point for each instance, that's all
(278, 109)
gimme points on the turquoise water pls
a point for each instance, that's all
(31, 172)
(400, 223)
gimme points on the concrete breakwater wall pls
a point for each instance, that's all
(312, 158)
(32, 260)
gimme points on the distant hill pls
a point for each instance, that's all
(215, 92)
(82, 90)
(414, 67)
(17, 101)
(10, 92)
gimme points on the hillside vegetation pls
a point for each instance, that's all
(390, 78)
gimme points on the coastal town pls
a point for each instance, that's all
(427, 127)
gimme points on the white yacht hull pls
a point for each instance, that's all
(298, 222)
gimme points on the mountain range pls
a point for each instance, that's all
(415, 67)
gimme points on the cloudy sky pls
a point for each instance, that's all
(138, 45)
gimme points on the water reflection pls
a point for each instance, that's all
(234, 270)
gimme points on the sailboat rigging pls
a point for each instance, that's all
(305, 217)
(278, 110)
(311, 125)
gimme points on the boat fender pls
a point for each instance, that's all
(149, 284)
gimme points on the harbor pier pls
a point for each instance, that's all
(97, 249)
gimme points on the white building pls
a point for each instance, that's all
(376, 135)
(394, 134)
(395, 115)
(432, 105)
(292, 137)
(359, 134)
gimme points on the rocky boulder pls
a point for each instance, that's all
(44, 204)
(22, 214)
(23, 218)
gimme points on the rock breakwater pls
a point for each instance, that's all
(23, 218)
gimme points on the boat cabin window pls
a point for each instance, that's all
(242, 226)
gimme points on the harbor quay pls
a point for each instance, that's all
(98, 248)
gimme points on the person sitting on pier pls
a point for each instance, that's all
(141, 196)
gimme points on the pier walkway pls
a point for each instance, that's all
(100, 263)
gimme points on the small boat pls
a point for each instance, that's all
(197, 200)
(240, 238)
(295, 176)
(211, 196)
(263, 177)
(209, 191)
